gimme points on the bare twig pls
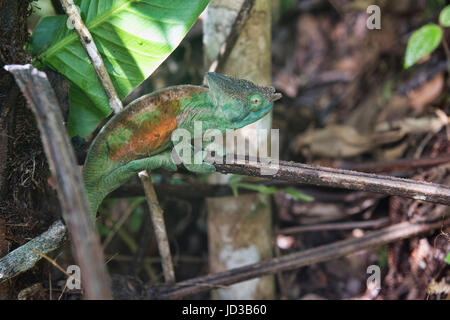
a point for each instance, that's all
(293, 261)
(236, 30)
(159, 226)
(321, 176)
(335, 226)
(92, 51)
(446, 49)
(85, 240)
(57, 266)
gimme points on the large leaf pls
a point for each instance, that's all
(422, 42)
(444, 17)
(133, 36)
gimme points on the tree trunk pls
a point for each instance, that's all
(239, 228)
(27, 203)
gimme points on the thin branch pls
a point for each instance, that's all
(335, 226)
(446, 49)
(92, 51)
(85, 241)
(338, 178)
(159, 227)
(236, 30)
(293, 261)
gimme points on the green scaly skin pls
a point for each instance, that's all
(139, 138)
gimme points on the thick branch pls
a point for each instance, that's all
(338, 178)
(293, 261)
(85, 241)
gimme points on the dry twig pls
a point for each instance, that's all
(335, 226)
(85, 240)
(159, 226)
(92, 51)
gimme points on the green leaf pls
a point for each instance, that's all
(297, 195)
(422, 42)
(235, 185)
(103, 230)
(136, 220)
(444, 17)
(447, 258)
(133, 36)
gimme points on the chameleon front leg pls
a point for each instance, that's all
(203, 167)
(194, 159)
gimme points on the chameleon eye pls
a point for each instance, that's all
(255, 101)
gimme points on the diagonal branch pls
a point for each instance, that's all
(85, 241)
(293, 261)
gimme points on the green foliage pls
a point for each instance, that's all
(382, 255)
(425, 40)
(103, 230)
(422, 42)
(133, 36)
(255, 187)
(297, 195)
(235, 183)
(444, 17)
(286, 4)
(136, 219)
(447, 258)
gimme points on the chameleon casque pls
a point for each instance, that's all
(139, 138)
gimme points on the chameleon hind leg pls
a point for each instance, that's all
(99, 189)
(125, 172)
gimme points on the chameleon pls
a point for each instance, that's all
(140, 137)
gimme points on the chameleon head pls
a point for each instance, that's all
(241, 101)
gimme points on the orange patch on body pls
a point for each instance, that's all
(147, 138)
(150, 134)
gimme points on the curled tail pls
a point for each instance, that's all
(102, 176)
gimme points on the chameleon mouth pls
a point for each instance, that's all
(276, 96)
